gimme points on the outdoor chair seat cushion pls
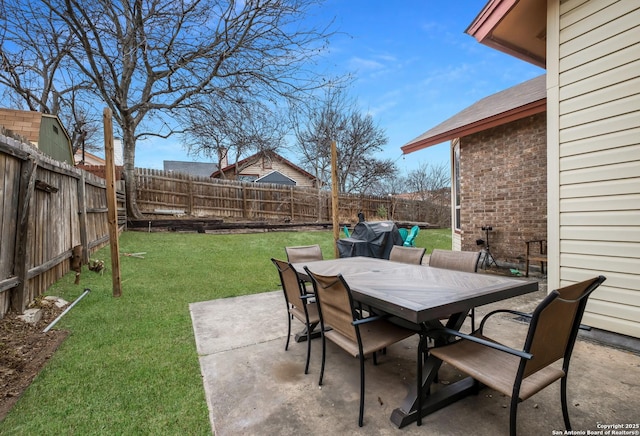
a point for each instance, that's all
(375, 336)
(312, 310)
(495, 368)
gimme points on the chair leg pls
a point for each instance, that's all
(473, 319)
(563, 400)
(512, 415)
(324, 347)
(306, 366)
(286, 346)
(361, 415)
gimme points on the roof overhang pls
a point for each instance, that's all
(519, 101)
(533, 108)
(515, 27)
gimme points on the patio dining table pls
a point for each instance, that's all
(421, 296)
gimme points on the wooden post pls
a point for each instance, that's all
(82, 212)
(243, 191)
(112, 205)
(23, 235)
(293, 217)
(334, 197)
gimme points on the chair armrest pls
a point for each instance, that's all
(524, 315)
(481, 341)
(308, 298)
(513, 312)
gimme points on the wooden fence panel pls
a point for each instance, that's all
(164, 193)
(46, 209)
(9, 188)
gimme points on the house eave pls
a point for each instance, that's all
(532, 108)
(501, 26)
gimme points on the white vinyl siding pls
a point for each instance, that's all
(598, 147)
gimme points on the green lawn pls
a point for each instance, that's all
(130, 365)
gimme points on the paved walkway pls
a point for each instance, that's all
(254, 387)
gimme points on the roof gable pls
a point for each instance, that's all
(255, 156)
(276, 177)
(512, 104)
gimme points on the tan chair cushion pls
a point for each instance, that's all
(494, 368)
(375, 335)
(312, 310)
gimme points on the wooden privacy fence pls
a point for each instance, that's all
(46, 209)
(166, 193)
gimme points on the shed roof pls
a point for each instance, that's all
(519, 101)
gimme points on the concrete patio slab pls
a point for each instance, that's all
(254, 387)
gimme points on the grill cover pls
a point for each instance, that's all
(370, 239)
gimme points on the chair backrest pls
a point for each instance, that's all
(457, 260)
(290, 282)
(412, 255)
(554, 325)
(410, 239)
(305, 253)
(403, 233)
(335, 305)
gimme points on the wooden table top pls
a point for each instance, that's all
(418, 293)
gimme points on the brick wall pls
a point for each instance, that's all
(504, 184)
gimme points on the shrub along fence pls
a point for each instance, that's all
(46, 209)
(165, 193)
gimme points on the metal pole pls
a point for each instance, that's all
(86, 291)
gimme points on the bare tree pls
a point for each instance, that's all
(358, 138)
(427, 179)
(34, 71)
(149, 59)
(232, 129)
(431, 182)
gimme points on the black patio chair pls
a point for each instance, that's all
(519, 374)
(357, 336)
(300, 305)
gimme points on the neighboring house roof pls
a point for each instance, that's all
(253, 157)
(44, 131)
(512, 104)
(202, 169)
(276, 177)
(26, 123)
(89, 159)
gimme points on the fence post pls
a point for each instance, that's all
(112, 204)
(23, 235)
(190, 201)
(243, 190)
(292, 204)
(82, 211)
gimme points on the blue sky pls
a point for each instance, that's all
(413, 68)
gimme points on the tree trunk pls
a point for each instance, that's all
(129, 154)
